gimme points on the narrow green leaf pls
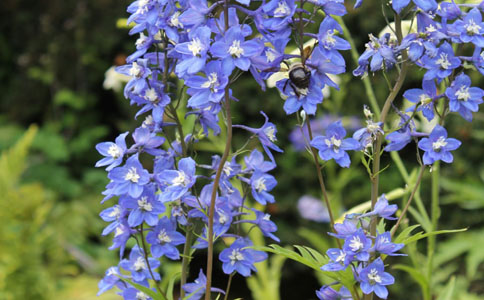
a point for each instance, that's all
(405, 233)
(171, 285)
(144, 289)
(422, 235)
(448, 292)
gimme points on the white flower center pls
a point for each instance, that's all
(139, 264)
(195, 46)
(260, 185)
(330, 40)
(425, 99)
(235, 50)
(472, 28)
(431, 28)
(119, 231)
(463, 93)
(236, 256)
(266, 217)
(439, 144)
(136, 70)
(143, 6)
(112, 271)
(270, 55)
(132, 175)
(443, 61)
(144, 204)
(212, 79)
(333, 143)
(163, 237)
(148, 121)
(174, 21)
(374, 277)
(115, 151)
(282, 9)
(181, 179)
(141, 41)
(356, 244)
(141, 296)
(227, 169)
(222, 219)
(341, 258)
(116, 212)
(270, 131)
(151, 95)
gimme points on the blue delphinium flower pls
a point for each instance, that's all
(134, 294)
(367, 135)
(380, 51)
(334, 145)
(115, 215)
(211, 88)
(266, 134)
(329, 42)
(358, 245)
(195, 290)
(178, 181)
(403, 136)
(424, 98)
(261, 184)
(328, 293)
(139, 71)
(114, 152)
(194, 52)
(464, 99)
(263, 221)
(164, 238)
(130, 178)
(138, 267)
(111, 278)
(437, 146)
(145, 208)
(373, 278)
(297, 98)
(442, 64)
(383, 244)
(471, 28)
(339, 260)
(425, 5)
(255, 161)
(235, 50)
(382, 209)
(238, 257)
(147, 141)
(345, 229)
(280, 14)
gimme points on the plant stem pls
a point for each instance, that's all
(435, 214)
(321, 179)
(145, 251)
(227, 291)
(414, 190)
(378, 143)
(185, 262)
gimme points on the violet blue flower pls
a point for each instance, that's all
(114, 152)
(437, 146)
(164, 238)
(373, 278)
(238, 257)
(464, 99)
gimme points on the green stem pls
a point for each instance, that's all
(378, 143)
(407, 205)
(185, 262)
(435, 214)
(227, 291)
(321, 180)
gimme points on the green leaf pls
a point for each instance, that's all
(448, 292)
(171, 285)
(405, 233)
(415, 274)
(144, 289)
(420, 235)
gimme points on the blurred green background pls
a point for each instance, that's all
(53, 61)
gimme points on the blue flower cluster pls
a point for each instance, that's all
(444, 34)
(361, 252)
